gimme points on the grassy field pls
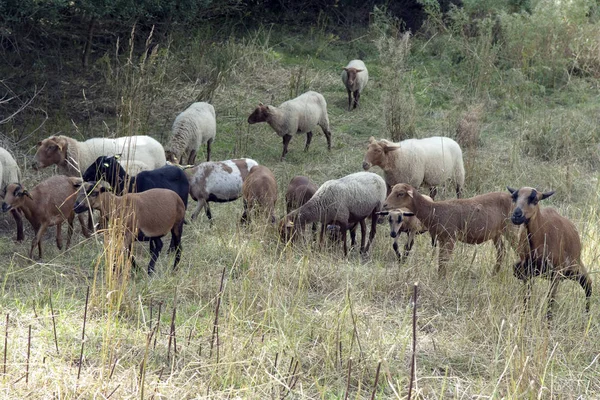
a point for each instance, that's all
(246, 316)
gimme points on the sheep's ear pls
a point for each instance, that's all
(408, 213)
(382, 213)
(345, 69)
(371, 139)
(547, 194)
(511, 190)
(389, 147)
(359, 70)
(260, 104)
(409, 192)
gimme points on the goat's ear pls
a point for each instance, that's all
(408, 214)
(547, 194)
(76, 181)
(409, 192)
(39, 143)
(511, 190)
(117, 156)
(25, 192)
(382, 213)
(371, 139)
(260, 104)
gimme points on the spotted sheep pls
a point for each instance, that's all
(549, 245)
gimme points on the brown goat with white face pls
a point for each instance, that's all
(549, 245)
(474, 220)
(402, 220)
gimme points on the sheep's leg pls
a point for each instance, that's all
(344, 231)
(327, 133)
(286, 141)
(156, 246)
(374, 217)
(245, 219)
(349, 99)
(458, 191)
(192, 157)
(499, 243)
(432, 192)
(554, 280)
(363, 235)
(208, 145)
(322, 234)
(356, 98)
(176, 233)
(446, 249)
(19, 221)
(201, 204)
(308, 140)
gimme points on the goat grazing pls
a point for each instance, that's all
(474, 220)
(549, 245)
(260, 192)
(146, 215)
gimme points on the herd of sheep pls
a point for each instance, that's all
(136, 173)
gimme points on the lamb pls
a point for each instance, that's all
(474, 220)
(47, 204)
(299, 191)
(549, 245)
(343, 202)
(260, 192)
(430, 161)
(403, 220)
(146, 215)
(195, 126)
(355, 77)
(217, 181)
(299, 115)
(10, 172)
(72, 157)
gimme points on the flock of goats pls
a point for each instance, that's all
(135, 173)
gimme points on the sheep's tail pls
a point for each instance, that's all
(586, 284)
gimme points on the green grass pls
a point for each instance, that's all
(281, 304)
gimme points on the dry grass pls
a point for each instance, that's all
(468, 128)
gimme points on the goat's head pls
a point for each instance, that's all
(526, 203)
(396, 220)
(52, 150)
(88, 195)
(352, 73)
(14, 196)
(401, 196)
(377, 151)
(260, 114)
(106, 168)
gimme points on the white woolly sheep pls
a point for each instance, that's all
(47, 204)
(195, 126)
(355, 77)
(299, 115)
(475, 220)
(343, 202)
(549, 245)
(72, 157)
(218, 181)
(403, 220)
(260, 193)
(147, 215)
(430, 161)
(10, 172)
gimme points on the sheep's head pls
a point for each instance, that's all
(526, 202)
(352, 74)
(287, 230)
(52, 150)
(377, 152)
(260, 114)
(396, 220)
(88, 195)
(401, 196)
(14, 197)
(171, 157)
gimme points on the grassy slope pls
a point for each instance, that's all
(286, 305)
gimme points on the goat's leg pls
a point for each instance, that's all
(156, 246)
(176, 233)
(37, 240)
(395, 247)
(59, 235)
(446, 249)
(308, 140)
(201, 204)
(554, 280)
(286, 141)
(500, 252)
(586, 283)
(19, 221)
(410, 241)
(192, 157)
(374, 217)
(208, 146)
(70, 228)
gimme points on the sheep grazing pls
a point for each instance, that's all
(402, 220)
(260, 193)
(299, 115)
(549, 245)
(474, 220)
(299, 191)
(430, 161)
(72, 157)
(218, 181)
(47, 204)
(355, 77)
(195, 126)
(10, 172)
(148, 215)
(343, 202)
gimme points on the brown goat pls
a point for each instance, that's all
(402, 220)
(147, 215)
(549, 245)
(49, 203)
(474, 220)
(260, 192)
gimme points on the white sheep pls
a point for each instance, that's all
(355, 77)
(72, 157)
(343, 202)
(430, 161)
(217, 181)
(9, 173)
(195, 126)
(299, 115)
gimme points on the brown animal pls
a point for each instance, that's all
(260, 193)
(402, 220)
(148, 215)
(549, 245)
(299, 191)
(473, 221)
(49, 203)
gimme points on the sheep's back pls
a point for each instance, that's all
(362, 77)
(221, 179)
(304, 112)
(195, 125)
(438, 156)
